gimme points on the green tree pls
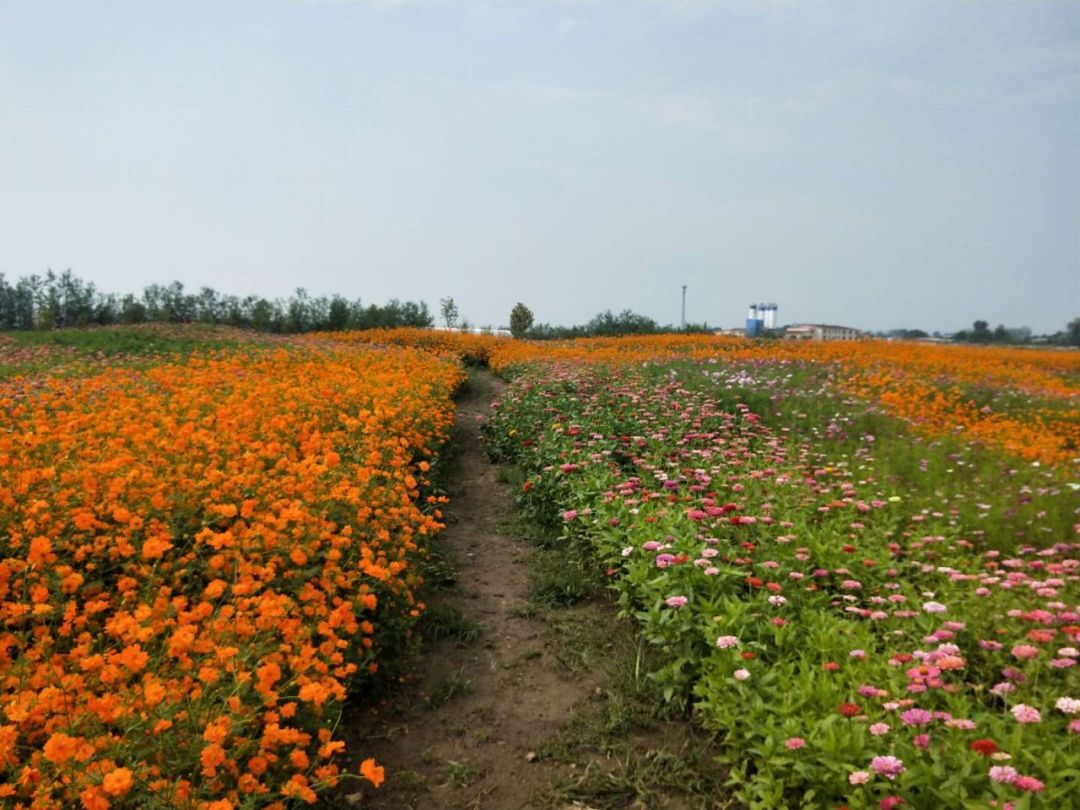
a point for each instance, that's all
(449, 312)
(521, 320)
(1072, 332)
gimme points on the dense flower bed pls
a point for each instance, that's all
(861, 625)
(1025, 401)
(1021, 400)
(200, 559)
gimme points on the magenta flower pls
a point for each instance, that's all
(916, 717)
(1028, 783)
(1026, 714)
(888, 766)
(795, 743)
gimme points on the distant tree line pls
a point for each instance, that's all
(981, 332)
(63, 300)
(609, 324)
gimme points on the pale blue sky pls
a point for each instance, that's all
(875, 164)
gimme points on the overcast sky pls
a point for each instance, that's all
(873, 164)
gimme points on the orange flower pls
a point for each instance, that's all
(372, 772)
(9, 736)
(117, 782)
(60, 748)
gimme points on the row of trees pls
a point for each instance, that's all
(981, 332)
(604, 324)
(58, 300)
(62, 300)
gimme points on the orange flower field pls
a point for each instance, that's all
(203, 558)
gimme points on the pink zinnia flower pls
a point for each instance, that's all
(724, 642)
(934, 607)
(741, 674)
(921, 741)
(1024, 651)
(916, 717)
(889, 802)
(676, 601)
(1026, 714)
(795, 743)
(859, 777)
(879, 728)
(888, 766)
(1003, 774)
(1029, 783)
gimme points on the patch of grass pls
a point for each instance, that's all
(478, 384)
(578, 645)
(446, 621)
(461, 774)
(630, 748)
(409, 780)
(440, 568)
(656, 778)
(526, 610)
(450, 687)
(562, 577)
(482, 735)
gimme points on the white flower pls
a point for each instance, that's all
(1068, 705)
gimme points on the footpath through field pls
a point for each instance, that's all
(467, 734)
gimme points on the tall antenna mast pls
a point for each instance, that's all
(684, 307)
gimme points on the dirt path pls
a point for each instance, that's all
(465, 734)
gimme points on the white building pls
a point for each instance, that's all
(821, 331)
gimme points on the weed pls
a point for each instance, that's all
(450, 687)
(562, 577)
(461, 774)
(447, 621)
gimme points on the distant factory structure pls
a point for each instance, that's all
(760, 318)
(821, 331)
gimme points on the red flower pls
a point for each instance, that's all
(984, 746)
(848, 709)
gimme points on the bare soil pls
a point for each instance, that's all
(467, 732)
